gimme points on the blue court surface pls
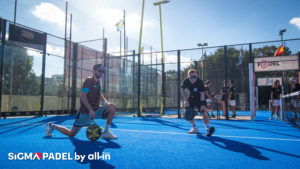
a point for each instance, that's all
(152, 143)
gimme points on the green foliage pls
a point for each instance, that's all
(19, 78)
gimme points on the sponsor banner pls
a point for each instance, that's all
(276, 63)
(26, 38)
(269, 81)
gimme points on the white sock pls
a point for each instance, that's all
(106, 129)
(206, 125)
(53, 126)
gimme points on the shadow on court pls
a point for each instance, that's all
(90, 147)
(16, 122)
(248, 128)
(235, 146)
(165, 123)
(32, 125)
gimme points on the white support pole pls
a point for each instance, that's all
(282, 104)
(251, 88)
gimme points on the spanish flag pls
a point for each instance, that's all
(279, 51)
(203, 59)
(201, 63)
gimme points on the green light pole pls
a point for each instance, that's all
(162, 56)
(202, 46)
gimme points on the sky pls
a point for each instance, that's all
(185, 23)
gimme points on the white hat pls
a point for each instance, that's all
(293, 79)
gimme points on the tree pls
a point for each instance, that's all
(19, 78)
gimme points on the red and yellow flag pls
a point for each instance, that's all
(201, 63)
(279, 51)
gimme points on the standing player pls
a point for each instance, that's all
(231, 98)
(209, 96)
(275, 99)
(195, 102)
(296, 99)
(90, 96)
(223, 93)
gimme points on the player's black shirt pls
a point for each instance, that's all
(223, 88)
(194, 89)
(208, 91)
(276, 92)
(232, 90)
(297, 88)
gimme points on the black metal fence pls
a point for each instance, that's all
(36, 82)
(46, 81)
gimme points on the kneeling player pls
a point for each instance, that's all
(90, 96)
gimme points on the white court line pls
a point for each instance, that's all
(176, 133)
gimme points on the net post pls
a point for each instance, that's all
(282, 109)
(282, 105)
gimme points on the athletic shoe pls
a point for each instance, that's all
(277, 118)
(108, 136)
(212, 115)
(49, 129)
(194, 130)
(210, 131)
(233, 116)
(271, 118)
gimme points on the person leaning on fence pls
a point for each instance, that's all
(296, 99)
(209, 96)
(231, 98)
(275, 99)
(90, 96)
(195, 102)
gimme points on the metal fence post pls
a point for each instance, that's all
(226, 91)
(178, 84)
(133, 81)
(139, 86)
(3, 31)
(74, 78)
(105, 65)
(43, 76)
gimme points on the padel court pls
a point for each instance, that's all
(145, 142)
